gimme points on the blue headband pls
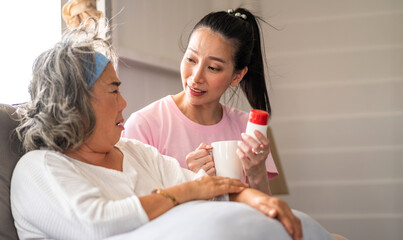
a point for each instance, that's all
(100, 64)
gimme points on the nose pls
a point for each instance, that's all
(122, 102)
(198, 75)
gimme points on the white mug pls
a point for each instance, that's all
(227, 163)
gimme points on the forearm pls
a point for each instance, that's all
(243, 197)
(260, 181)
(203, 188)
(157, 204)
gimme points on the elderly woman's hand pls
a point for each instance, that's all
(271, 207)
(201, 159)
(208, 187)
(204, 188)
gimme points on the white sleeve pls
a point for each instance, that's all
(168, 168)
(172, 169)
(65, 204)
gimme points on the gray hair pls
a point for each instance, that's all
(59, 115)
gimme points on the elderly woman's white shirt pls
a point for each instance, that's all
(54, 196)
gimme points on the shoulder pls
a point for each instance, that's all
(36, 167)
(38, 158)
(126, 143)
(133, 146)
(235, 115)
(144, 155)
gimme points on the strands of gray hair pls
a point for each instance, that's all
(59, 115)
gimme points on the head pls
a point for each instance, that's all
(207, 68)
(107, 104)
(60, 114)
(240, 29)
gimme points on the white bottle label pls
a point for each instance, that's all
(250, 128)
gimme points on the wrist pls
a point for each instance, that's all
(260, 181)
(241, 196)
(183, 192)
(257, 176)
(166, 194)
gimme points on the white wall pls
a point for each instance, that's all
(337, 93)
(336, 71)
(143, 84)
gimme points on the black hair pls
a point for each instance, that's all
(241, 27)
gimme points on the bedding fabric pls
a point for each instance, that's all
(202, 220)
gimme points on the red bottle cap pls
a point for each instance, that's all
(258, 117)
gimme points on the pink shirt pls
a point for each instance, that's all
(162, 125)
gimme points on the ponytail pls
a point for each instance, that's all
(254, 83)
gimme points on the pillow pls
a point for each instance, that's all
(220, 220)
(9, 155)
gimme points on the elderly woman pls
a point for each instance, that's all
(79, 180)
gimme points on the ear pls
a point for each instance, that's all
(238, 76)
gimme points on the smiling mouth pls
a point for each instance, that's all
(196, 90)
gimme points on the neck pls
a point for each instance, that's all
(208, 114)
(109, 159)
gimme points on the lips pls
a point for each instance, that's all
(196, 91)
(120, 124)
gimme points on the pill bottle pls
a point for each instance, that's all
(257, 120)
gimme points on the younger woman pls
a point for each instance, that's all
(224, 51)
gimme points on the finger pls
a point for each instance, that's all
(231, 187)
(244, 159)
(229, 181)
(245, 149)
(199, 153)
(250, 140)
(206, 160)
(272, 213)
(289, 220)
(211, 171)
(220, 187)
(236, 182)
(268, 211)
(207, 166)
(261, 137)
(204, 146)
(263, 146)
(250, 152)
(197, 164)
(287, 224)
(298, 229)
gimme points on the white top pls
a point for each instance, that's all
(54, 196)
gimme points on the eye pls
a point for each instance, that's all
(214, 69)
(190, 60)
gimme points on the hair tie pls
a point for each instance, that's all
(237, 14)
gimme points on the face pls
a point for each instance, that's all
(207, 68)
(108, 106)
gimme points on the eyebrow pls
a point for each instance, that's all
(210, 57)
(115, 83)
